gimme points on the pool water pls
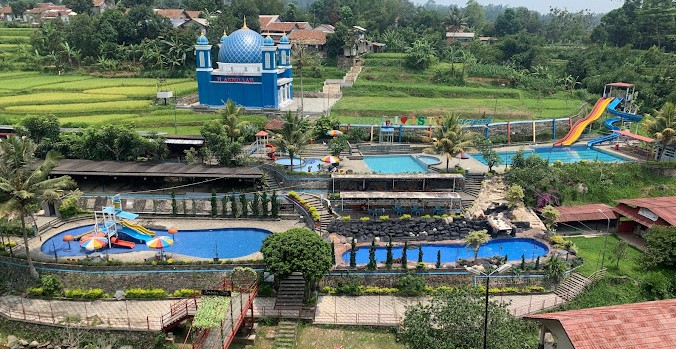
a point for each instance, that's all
(574, 153)
(230, 243)
(395, 164)
(429, 160)
(512, 248)
(302, 165)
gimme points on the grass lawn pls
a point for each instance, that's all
(591, 250)
(318, 337)
(501, 109)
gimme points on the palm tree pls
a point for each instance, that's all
(230, 118)
(456, 19)
(24, 183)
(664, 126)
(451, 138)
(293, 136)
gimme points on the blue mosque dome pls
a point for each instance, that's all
(268, 41)
(242, 46)
(284, 40)
(225, 36)
(202, 40)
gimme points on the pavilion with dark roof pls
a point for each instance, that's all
(626, 326)
(586, 217)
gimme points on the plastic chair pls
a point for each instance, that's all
(438, 210)
(398, 210)
(416, 210)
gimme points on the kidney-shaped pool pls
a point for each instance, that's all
(512, 248)
(206, 243)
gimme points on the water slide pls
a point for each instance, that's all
(137, 227)
(579, 126)
(135, 234)
(271, 153)
(78, 237)
(121, 243)
(612, 124)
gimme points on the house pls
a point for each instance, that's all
(6, 14)
(461, 37)
(646, 212)
(586, 217)
(326, 28)
(46, 11)
(271, 26)
(100, 6)
(311, 38)
(182, 18)
(626, 326)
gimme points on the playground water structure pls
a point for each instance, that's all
(205, 243)
(395, 164)
(575, 153)
(513, 248)
(612, 124)
(576, 131)
(301, 164)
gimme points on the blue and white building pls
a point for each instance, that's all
(252, 71)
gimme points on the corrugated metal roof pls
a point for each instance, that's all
(635, 136)
(664, 207)
(627, 326)
(585, 213)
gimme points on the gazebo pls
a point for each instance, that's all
(262, 140)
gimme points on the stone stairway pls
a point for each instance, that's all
(324, 216)
(572, 286)
(291, 292)
(285, 338)
(271, 183)
(473, 184)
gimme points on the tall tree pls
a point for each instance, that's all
(474, 13)
(293, 136)
(24, 183)
(456, 20)
(79, 6)
(230, 116)
(664, 126)
(451, 138)
(475, 239)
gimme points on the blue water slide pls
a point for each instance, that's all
(135, 235)
(612, 124)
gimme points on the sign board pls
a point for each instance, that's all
(220, 293)
(648, 214)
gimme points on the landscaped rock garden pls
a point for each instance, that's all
(430, 229)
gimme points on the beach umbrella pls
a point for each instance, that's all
(160, 243)
(334, 133)
(330, 159)
(68, 238)
(94, 243)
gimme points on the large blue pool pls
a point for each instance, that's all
(395, 164)
(512, 248)
(574, 153)
(230, 243)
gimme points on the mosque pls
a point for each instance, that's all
(251, 71)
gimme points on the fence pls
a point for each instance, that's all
(88, 319)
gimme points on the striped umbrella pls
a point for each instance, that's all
(160, 243)
(94, 243)
(331, 159)
(92, 235)
(334, 133)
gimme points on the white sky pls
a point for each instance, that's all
(542, 6)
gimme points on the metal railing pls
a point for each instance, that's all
(303, 313)
(178, 312)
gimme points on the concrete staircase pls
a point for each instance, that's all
(320, 150)
(285, 338)
(572, 286)
(351, 76)
(291, 292)
(271, 183)
(473, 184)
(324, 215)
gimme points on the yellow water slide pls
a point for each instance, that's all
(138, 228)
(576, 130)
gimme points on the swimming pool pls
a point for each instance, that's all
(230, 243)
(301, 165)
(395, 164)
(429, 160)
(574, 153)
(512, 248)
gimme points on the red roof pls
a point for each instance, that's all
(261, 134)
(627, 326)
(263, 20)
(308, 37)
(193, 14)
(5, 10)
(274, 124)
(620, 84)
(170, 13)
(635, 136)
(585, 213)
(279, 27)
(664, 207)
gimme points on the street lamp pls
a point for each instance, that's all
(605, 242)
(476, 271)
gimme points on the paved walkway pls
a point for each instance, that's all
(145, 315)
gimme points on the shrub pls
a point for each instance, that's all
(411, 285)
(557, 240)
(384, 217)
(94, 293)
(346, 218)
(364, 219)
(328, 290)
(145, 293)
(51, 285)
(426, 216)
(405, 216)
(533, 288)
(35, 291)
(185, 292)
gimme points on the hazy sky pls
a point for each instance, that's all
(542, 6)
